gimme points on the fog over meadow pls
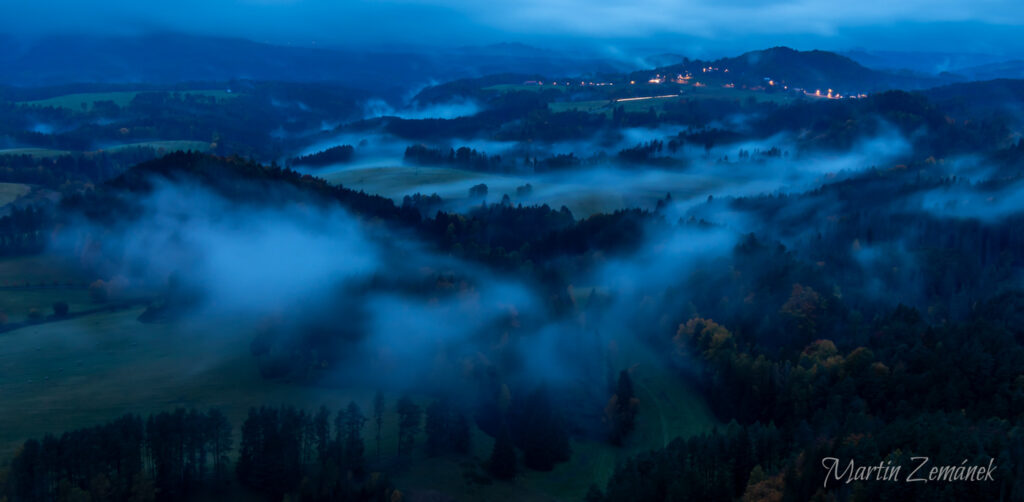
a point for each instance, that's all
(409, 318)
(414, 317)
(603, 182)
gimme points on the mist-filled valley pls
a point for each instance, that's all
(506, 273)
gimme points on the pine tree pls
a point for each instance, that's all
(621, 409)
(408, 425)
(542, 434)
(437, 428)
(352, 438)
(447, 429)
(378, 418)
(322, 434)
(502, 463)
(220, 445)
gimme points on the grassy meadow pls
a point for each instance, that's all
(10, 192)
(79, 372)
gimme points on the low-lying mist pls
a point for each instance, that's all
(392, 312)
(602, 179)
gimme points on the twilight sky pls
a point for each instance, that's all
(991, 26)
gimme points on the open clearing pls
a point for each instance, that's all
(84, 101)
(63, 375)
(10, 192)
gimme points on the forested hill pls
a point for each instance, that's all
(784, 66)
(502, 235)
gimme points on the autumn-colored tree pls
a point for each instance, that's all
(803, 307)
(762, 488)
(705, 335)
(98, 291)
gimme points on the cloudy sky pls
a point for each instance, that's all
(940, 25)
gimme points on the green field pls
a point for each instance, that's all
(39, 271)
(62, 375)
(17, 302)
(10, 192)
(75, 373)
(84, 101)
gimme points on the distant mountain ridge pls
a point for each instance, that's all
(174, 58)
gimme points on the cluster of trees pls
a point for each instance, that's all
(720, 466)
(282, 452)
(838, 124)
(447, 429)
(72, 171)
(340, 154)
(884, 385)
(285, 451)
(168, 456)
(645, 153)
(707, 138)
(426, 205)
(462, 157)
(882, 391)
(23, 231)
(529, 428)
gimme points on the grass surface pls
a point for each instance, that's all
(16, 303)
(68, 374)
(61, 375)
(39, 270)
(10, 192)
